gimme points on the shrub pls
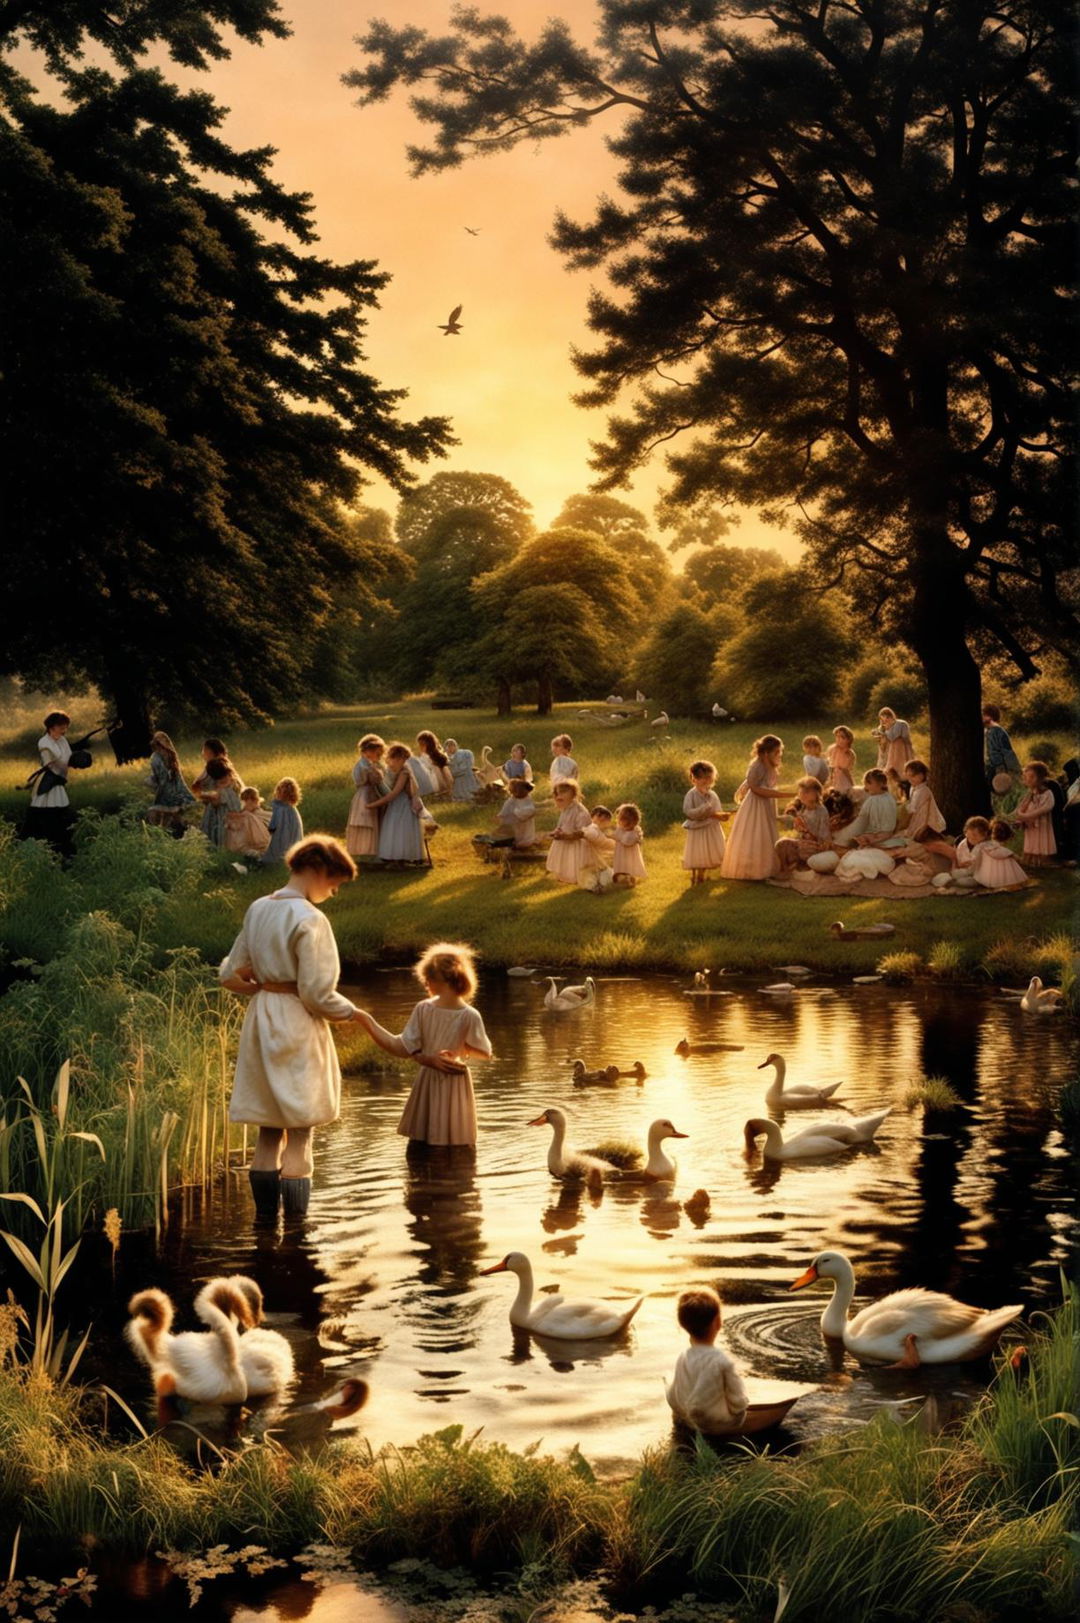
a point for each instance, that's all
(897, 967)
(1046, 705)
(903, 691)
(1044, 749)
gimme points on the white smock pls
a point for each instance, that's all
(706, 1390)
(287, 1071)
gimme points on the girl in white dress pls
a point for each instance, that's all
(288, 1080)
(751, 847)
(401, 832)
(461, 764)
(442, 1032)
(369, 781)
(628, 864)
(563, 764)
(704, 847)
(434, 759)
(569, 852)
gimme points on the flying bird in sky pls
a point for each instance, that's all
(452, 324)
(471, 232)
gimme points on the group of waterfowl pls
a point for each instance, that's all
(233, 1359)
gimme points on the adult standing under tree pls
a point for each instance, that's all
(843, 256)
(49, 816)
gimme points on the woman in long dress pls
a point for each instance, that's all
(401, 831)
(895, 746)
(751, 841)
(441, 1107)
(49, 816)
(369, 785)
(288, 1080)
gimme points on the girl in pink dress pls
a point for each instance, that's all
(993, 864)
(1034, 815)
(362, 823)
(569, 851)
(841, 758)
(441, 1033)
(628, 864)
(751, 846)
(704, 848)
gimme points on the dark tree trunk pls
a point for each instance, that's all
(505, 705)
(937, 634)
(129, 704)
(544, 697)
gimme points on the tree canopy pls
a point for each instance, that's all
(838, 286)
(186, 415)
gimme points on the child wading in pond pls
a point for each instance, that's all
(441, 1034)
(706, 1390)
(628, 864)
(704, 847)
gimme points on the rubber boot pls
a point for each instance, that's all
(295, 1194)
(266, 1192)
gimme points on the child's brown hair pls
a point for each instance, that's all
(766, 744)
(628, 814)
(251, 793)
(844, 733)
(453, 964)
(563, 740)
(601, 811)
(398, 751)
(520, 787)
(977, 825)
(916, 766)
(812, 744)
(1001, 830)
(321, 851)
(371, 741)
(567, 786)
(288, 790)
(876, 775)
(1040, 769)
(698, 1310)
(702, 769)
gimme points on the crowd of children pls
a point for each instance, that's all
(886, 824)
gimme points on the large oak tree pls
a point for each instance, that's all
(186, 415)
(837, 286)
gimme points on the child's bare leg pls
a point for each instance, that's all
(297, 1161)
(267, 1156)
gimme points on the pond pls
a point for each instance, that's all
(382, 1280)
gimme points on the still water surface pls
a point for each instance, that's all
(382, 1280)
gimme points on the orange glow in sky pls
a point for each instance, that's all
(506, 380)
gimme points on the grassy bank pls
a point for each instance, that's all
(891, 1522)
(529, 919)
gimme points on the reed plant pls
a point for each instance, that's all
(933, 1093)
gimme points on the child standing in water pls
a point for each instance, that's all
(841, 758)
(704, 847)
(569, 851)
(1035, 814)
(286, 826)
(628, 863)
(442, 1033)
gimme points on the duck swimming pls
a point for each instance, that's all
(554, 1315)
(570, 1164)
(203, 1366)
(800, 1097)
(571, 997)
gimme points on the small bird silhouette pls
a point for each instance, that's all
(471, 232)
(452, 326)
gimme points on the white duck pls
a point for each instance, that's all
(662, 720)
(571, 997)
(779, 989)
(203, 1366)
(659, 1164)
(486, 770)
(570, 1164)
(800, 1097)
(554, 1315)
(1040, 999)
(265, 1355)
(828, 1138)
(909, 1327)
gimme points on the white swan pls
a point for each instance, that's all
(800, 1097)
(486, 770)
(570, 1164)
(659, 1164)
(571, 997)
(1040, 999)
(201, 1365)
(662, 720)
(909, 1327)
(779, 989)
(830, 1138)
(553, 1315)
(265, 1355)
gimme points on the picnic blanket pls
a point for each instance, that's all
(806, 883)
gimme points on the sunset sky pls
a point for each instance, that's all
(506, 381)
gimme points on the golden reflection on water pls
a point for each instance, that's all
(384, 1279)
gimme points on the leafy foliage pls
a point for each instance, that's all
(818, 641)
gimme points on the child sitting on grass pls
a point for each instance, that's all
(596, 873)
(983, 858)
(516, 822)
(286, 826)
(628, 864)
(246, 830)
(706, 1390)
(812, 830)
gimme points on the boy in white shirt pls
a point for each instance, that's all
(563, 764)
(706, 1390)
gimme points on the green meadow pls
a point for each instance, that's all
(528, 919)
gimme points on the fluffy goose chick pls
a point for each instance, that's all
(570, 1164)
(203, 1366)
(265, 1355)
